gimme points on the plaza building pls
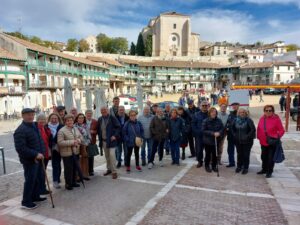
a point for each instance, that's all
(92, 42)
(172, 35)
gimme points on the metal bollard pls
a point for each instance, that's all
(3, 159)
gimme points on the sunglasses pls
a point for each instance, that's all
(268, 110)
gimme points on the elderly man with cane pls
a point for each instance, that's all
(30, 148)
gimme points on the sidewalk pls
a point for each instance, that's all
(172, 195)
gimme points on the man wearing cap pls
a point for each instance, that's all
(192, 109)
(230, 147)
(197, 131)
(30, 147)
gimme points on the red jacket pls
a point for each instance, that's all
(45, 134)
(273, 126)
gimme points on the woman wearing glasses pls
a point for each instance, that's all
(269, 126)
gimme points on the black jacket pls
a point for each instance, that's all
(231, 120)
(209, 127)
(244, 133)
(113, 128)
(28, 142)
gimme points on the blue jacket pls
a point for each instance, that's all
(113, 128)
(28, 142)
(131, 130)
(53, 140)
(197, 123)
(176, 129)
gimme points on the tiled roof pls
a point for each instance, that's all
(130, 61)
(180, 64)
(52, 52)
(173, 14)
(266, 65)
(4, 54)
(105, 60)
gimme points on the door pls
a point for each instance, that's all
(44, 101)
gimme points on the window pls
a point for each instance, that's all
(277, 77)
(174, 26)
(173, 38)
(218, 53)
(277, 67)
(1, 82)
(289, 67)
(254, 57)
(224, 52)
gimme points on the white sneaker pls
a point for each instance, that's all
(56, 185)
(150, 165)
(161, 163)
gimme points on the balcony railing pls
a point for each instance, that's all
(13, 90)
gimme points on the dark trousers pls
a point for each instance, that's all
(91, 164)
(56, 166)
(175, 151)
(230, 151)
(267, 154)
(282, 107)
(210, 155)
(243, 155)
(191, 141)
(31, 184)
(70, 170)
(199, 149)
(167, 144)
(129, 153)
(42, 179)
(157, 146)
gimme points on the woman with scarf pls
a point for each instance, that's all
(81, 125)
(55, 124)
(212, 128)
(186, 129)
(243, 130)
(45, 134)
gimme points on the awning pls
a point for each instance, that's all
(2, 76)
(17, 77)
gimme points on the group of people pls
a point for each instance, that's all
(71, 137)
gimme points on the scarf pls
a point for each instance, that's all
(241, 120)
(53, 128)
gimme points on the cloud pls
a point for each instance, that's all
(220, 25)
(264, 2)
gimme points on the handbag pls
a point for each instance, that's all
(92, 150)
(270, 140)
(279, 156)
(138, 140)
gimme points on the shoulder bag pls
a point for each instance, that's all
(270, 140)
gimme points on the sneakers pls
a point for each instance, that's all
(56, 185)
(261, 172)
(150, 166)
(128, 169)
(161, 163)
(29, 206)
(139, 168)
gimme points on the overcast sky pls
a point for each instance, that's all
(244, 21)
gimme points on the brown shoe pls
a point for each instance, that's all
(107, 173)
(114, 176)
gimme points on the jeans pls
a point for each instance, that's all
(31, 184)
(42, 178)
(157, 146)
(121, 148)
(56, 166)
(167, 144)
(129, 153)
(243, 155)
(267, 154)
(230, 151)
(210, 155)
(199, 149)
(175, 151)
(149, 143)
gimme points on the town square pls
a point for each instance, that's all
(90, 95)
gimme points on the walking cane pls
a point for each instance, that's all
(47, 181)
(217, 166)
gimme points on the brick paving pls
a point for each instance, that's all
(13, 220)
(183, 206)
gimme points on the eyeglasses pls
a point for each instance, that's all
(268, 110)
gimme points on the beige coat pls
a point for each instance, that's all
(65, 141)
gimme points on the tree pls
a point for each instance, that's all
(83, 46)
(132, 49)
(18, 35)
(36, 40)
(140, 47)
(292, 47)
(72, 45)
(103, 43)
(148, 46)
(119, 45)
(259, 44)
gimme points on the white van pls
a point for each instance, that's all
(127, 103)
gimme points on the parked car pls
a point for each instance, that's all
(163, 104)
(132, 98)
(273, 91)
(294, 113)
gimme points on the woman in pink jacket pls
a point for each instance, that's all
(269, 125)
